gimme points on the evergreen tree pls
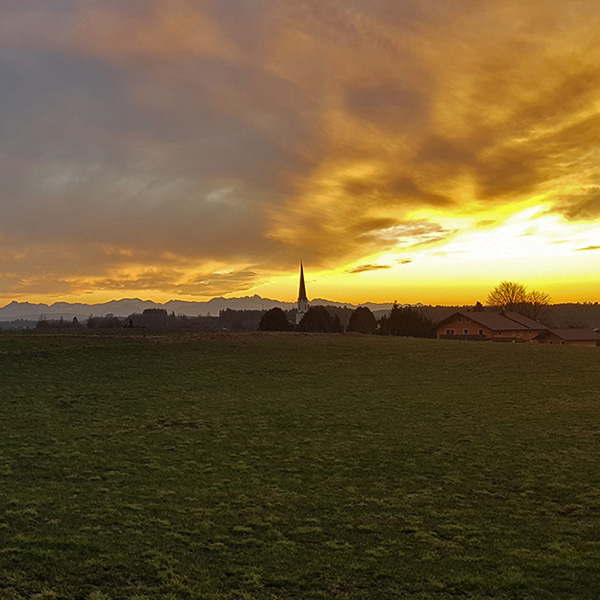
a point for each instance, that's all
(337, 326)
(406, 321)
(362, 320)
(316, 319)
(274, 320)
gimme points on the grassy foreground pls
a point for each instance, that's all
(297, 466)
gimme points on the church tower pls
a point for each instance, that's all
(302, 299)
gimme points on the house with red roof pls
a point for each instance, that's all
(509, 326)
(504, 326)
(570, 337)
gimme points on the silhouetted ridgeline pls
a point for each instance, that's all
(128, 306)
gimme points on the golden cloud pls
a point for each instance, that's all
(368, 267)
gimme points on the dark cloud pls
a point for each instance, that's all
(63, 108)
(404, 14)
(369, 225)
(511, 170)
(388, 105)
(399, 190)
(531, 146)
(250, 23)
(589, 248)
(56, 6)
(179, 175)
(582, 206)
(410, 234)
(438, 149)
(368, 267)
(406, 189)
(568, 94)
(364, 268)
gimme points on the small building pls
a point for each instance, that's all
(504, 326)
(570, 337)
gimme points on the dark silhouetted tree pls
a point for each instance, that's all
(316, 319)
(337, 326)
(110, 320)
(274, 320)
(406, 321)
(536, 307)
(240, 320)
(107, 321)
(362, 320)
(514, 296)
(343, 312)
(508, 295)
(157, 318)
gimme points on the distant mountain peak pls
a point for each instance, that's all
(126, 306)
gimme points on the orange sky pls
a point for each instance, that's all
(416, 150)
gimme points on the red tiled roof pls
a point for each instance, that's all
(576, 335)
(529, 323)
(509, 321)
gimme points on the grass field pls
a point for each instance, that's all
(297, 466)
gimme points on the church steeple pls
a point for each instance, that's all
(302, 298)
(302, 292)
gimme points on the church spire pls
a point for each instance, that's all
(302, 292)
(302, 298)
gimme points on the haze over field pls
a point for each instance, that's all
(416, 150)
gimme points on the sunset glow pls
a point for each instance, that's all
(415, 151)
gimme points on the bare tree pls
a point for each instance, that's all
(508, 294)
(514, 296)
(537, 303)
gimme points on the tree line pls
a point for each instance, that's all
(406, 321)
(321, 319)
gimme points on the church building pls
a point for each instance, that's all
(302, 299)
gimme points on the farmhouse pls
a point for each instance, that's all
(505, 326)
(570, 337)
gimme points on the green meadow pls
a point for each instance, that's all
(299, 466)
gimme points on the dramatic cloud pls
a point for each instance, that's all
(365, 268)
(582, 205)
(201, 147)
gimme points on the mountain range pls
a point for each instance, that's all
(127, 306)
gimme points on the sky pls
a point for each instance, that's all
(413, 150)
